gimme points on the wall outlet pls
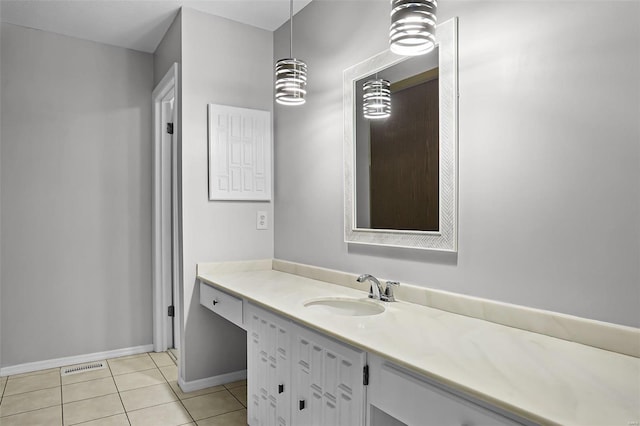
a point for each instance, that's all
(262, 220)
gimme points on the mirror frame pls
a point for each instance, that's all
(446, 238)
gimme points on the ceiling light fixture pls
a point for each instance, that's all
(291, 74)
(376, 100)
(413, 26)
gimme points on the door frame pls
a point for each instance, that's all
(162, 297)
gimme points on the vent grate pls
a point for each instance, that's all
(81, 368)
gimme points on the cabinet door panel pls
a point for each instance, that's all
(328, 376)
(269, 371)
(254, 370)
(282, 383)
(330, 412)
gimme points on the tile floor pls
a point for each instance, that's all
(133, 390)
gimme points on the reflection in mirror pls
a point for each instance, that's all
(400, 173)
(397, 157)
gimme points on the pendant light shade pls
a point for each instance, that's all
(291, 79)
(291, 74)
(413, 26)
(376, 101)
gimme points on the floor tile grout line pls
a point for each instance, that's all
(30, 411)
(150, 406)
(202, 394)
(237, 399)
(243, 407)
(193, 420)
(88, 421)
(4, 385)
(61, 405)
(154, 361)
(142, 387)
(222, 414)
(85, 380)
(34, 390)
(179, 400)
(92, 380)
(154, 405)
(235, 387)
(136, 371)
(119, 396)
(91, 397)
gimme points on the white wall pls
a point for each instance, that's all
(229, 63)
(76, 196)
(549, 200)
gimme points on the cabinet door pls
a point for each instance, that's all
(327, 380)
(397, 396)
(268, 365)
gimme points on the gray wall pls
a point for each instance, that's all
(229, 63)
(169, 50)
(549, 211)
(76, 196)
(0, 199)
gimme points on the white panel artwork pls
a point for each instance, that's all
(239, 153)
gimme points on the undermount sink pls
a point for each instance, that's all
(345, 306)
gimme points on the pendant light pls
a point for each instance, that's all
(291, 74)
(413, 26)
(376, 100)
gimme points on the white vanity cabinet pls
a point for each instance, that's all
(396, 397)
(327, 381)
(299, 377)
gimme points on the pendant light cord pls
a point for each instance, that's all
(291, 28)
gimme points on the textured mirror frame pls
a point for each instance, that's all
(446, 238)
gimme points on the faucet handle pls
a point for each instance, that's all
(388, 291)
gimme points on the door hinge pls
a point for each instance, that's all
(171, 311)
(170, 128)
(365, 375)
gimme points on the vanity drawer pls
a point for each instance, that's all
(223, 304)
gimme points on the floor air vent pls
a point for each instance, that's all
(99, 365)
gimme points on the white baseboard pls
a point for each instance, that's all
(208, 382)
(71, 360)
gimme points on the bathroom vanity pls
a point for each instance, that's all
(321, 353)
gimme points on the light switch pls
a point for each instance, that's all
(262, 220)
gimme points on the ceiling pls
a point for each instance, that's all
(136, 24)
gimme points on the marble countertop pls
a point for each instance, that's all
(541, 378)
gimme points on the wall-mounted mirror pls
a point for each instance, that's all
(401, 171)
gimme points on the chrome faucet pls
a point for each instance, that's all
(376, 291)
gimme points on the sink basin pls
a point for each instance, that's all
(345, 306)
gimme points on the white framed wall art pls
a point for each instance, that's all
(239, 153)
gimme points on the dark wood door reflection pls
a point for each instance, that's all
(404, 159)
